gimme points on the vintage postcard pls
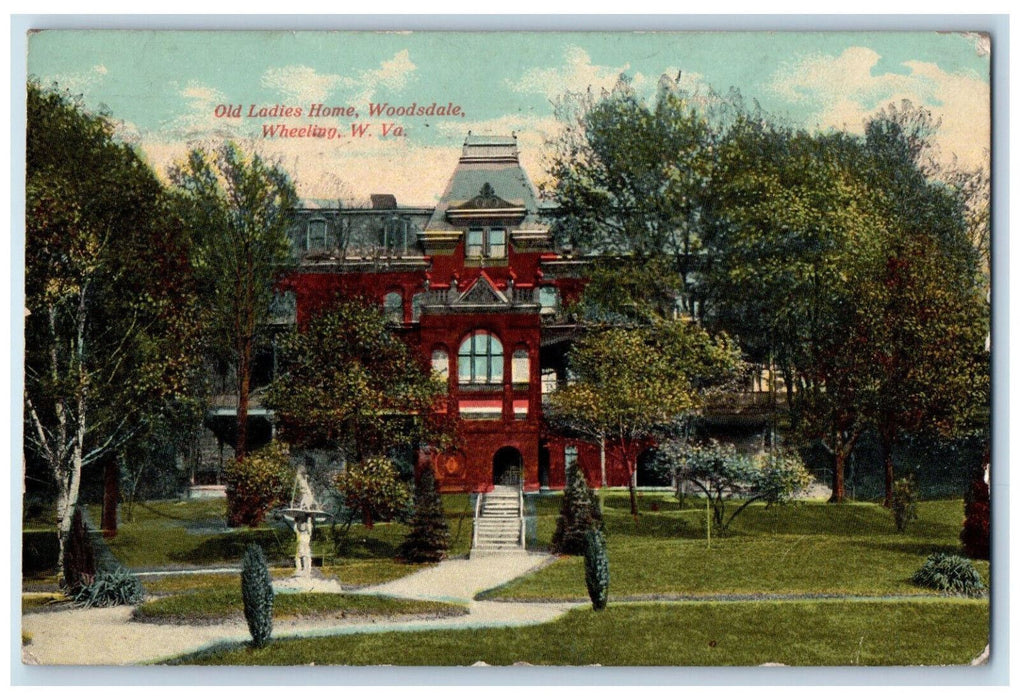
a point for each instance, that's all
(503, 348)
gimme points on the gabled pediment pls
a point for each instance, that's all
(482, 293)
(486, 199)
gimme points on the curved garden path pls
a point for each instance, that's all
(108, 636)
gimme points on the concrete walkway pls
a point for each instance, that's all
(107, 636)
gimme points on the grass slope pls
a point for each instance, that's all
(850, 549)
(837, 633)
(168, 533)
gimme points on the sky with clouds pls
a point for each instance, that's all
(163, 89)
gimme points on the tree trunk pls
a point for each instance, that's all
(841, 454)
(633, 489)
(885, 446)
(243, 393)
(111, 495)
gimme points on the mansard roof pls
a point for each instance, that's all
(487, 182)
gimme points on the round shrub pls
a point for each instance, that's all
(259, 483)
(950, 573)
(107, 589)
(372, 488)
(257, 593)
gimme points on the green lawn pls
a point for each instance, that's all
(168, 533)
(800, 633)
(216, 605)
(799, 548)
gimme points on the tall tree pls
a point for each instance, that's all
(240, 208)
(111, 327)
(924, 290)
(348, 382)
(632, 382)
(628, 176)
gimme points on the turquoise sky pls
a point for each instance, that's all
(165, 86)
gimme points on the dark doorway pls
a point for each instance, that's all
(647, 474)
(507, 467)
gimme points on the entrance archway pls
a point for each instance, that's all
(507, 467)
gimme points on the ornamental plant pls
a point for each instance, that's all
(257, 593)
(255, 485)
(596, 568)
(109, 588)
(372, 489)
(721, 474)
(976, 526)
(429, 538)
(579, 513)
(950, 573)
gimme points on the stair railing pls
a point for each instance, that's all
(478, 510)
(520, 513)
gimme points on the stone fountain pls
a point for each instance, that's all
(302, 514)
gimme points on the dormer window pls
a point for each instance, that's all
(485, 244)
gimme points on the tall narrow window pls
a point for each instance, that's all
(521, 366)
(480, 359)
(416, 303)
(548, 383)
(316, 235)
(393, 306)
(569, 459)
(473, 246)
(441, 363)
(497, 243)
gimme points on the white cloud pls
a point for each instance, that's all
(844, 91)
(80, 82)
(576, 74)
(303, 85)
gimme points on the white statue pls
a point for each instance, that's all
(303, 557)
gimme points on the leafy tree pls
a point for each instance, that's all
(579, 513)
(923, 292)
(111, 330)
(628, 176)
(348, 382)
(372, 489)
(239, 207)
(429, 538)
(630, 382)
(720, 473)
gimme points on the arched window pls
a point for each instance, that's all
(393, 307)
(521, 367)
(480, 359)
(441, 363)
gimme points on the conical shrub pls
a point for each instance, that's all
(579, 513)
(257, 592)
(429, 538)
(596, 568)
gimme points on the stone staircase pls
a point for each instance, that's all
(499, 522)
